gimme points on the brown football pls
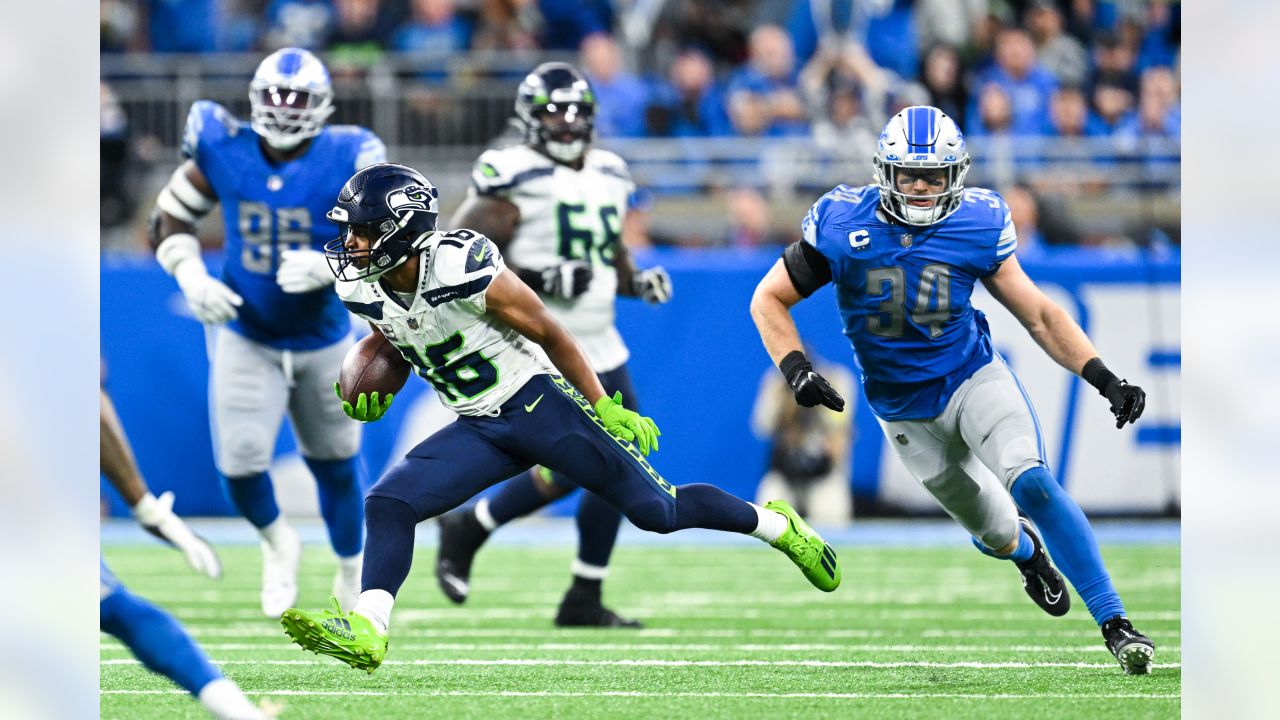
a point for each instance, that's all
(372, 365)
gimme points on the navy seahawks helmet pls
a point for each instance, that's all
(394, 206)
(558, 108)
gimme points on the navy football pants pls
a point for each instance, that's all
(547, 422)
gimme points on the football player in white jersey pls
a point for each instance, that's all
(554, 206)
(525, 394)
(277, 332)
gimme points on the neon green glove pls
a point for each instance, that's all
(627, 424)
(368, 408)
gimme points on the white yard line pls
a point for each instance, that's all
(685, 663)
(638, 694)
(697, 647)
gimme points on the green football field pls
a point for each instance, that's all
(730, 632)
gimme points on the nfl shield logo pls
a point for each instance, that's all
(905, 239)
(412, 323)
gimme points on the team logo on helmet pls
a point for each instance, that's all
(412, 197)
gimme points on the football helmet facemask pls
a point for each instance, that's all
(290, 98)
(393, 206)
(558, 107)
(916, 140)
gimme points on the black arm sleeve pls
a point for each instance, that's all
(807, 268)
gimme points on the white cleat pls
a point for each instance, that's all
(280, 572)
(346, 582)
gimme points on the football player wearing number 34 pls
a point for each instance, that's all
(277, 332)
(556, 207)
(904, 255)
(525, 394)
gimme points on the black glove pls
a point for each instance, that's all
(809, 387)
(1127, 401)
(652, 285)
(567, 280)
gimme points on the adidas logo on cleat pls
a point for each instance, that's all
(829, 561)
(339, 627)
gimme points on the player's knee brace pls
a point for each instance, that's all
(653, 516)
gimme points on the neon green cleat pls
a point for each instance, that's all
(807, 549)
(351, 638)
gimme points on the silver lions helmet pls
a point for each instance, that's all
(920, 141)
(290, 98)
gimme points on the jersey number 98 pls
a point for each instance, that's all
(265, 233)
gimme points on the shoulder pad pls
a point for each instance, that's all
(838, 202)
(609, 163)
(984, 208)
(499, 170)
(463, 264)
(207, 124)
(367, 148)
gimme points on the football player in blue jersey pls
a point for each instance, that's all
(158, 641)
(904, 255)
(278, 332)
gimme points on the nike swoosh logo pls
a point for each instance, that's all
(479, 257)
(534, 404)
(1052, 597)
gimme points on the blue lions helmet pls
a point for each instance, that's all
(290, 98)
(392, 205)
(921, 138)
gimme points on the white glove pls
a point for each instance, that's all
(567, 280)
(210, 300)
(652, 285)
(302, 271)
(156, 516)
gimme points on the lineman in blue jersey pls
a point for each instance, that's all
(279, 333)
(904, 255)
(158, 641)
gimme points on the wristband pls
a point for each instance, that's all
(1097, 375)
(793, 364)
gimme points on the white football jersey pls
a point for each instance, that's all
(473, 360)
(566, 214)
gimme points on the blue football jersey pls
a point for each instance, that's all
(904, 293)
(268, 207)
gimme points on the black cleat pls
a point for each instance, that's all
(1134, 650)
(584, 609)
(1041, 581)
(461, 536)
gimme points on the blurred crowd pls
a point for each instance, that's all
(830, 70)
(835, 69)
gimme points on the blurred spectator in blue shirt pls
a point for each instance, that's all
(942, 75)
(1068, 113)
(1112, 105)
(886, 28)
(621, 98)
(1058, 52)
(1115, 58)
(182, 26)
(567, 23)
(1159, 114)
(433, 28)
(1026, 84)
(299, 23)
(1163, 35)
(763, 97)
(994, 116)
(688, 104)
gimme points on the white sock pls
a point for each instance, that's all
(483, 515)
(770, 524)
(276, 532)
(376, 606)
(588, 571)
(226, 701)
(350, 566)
